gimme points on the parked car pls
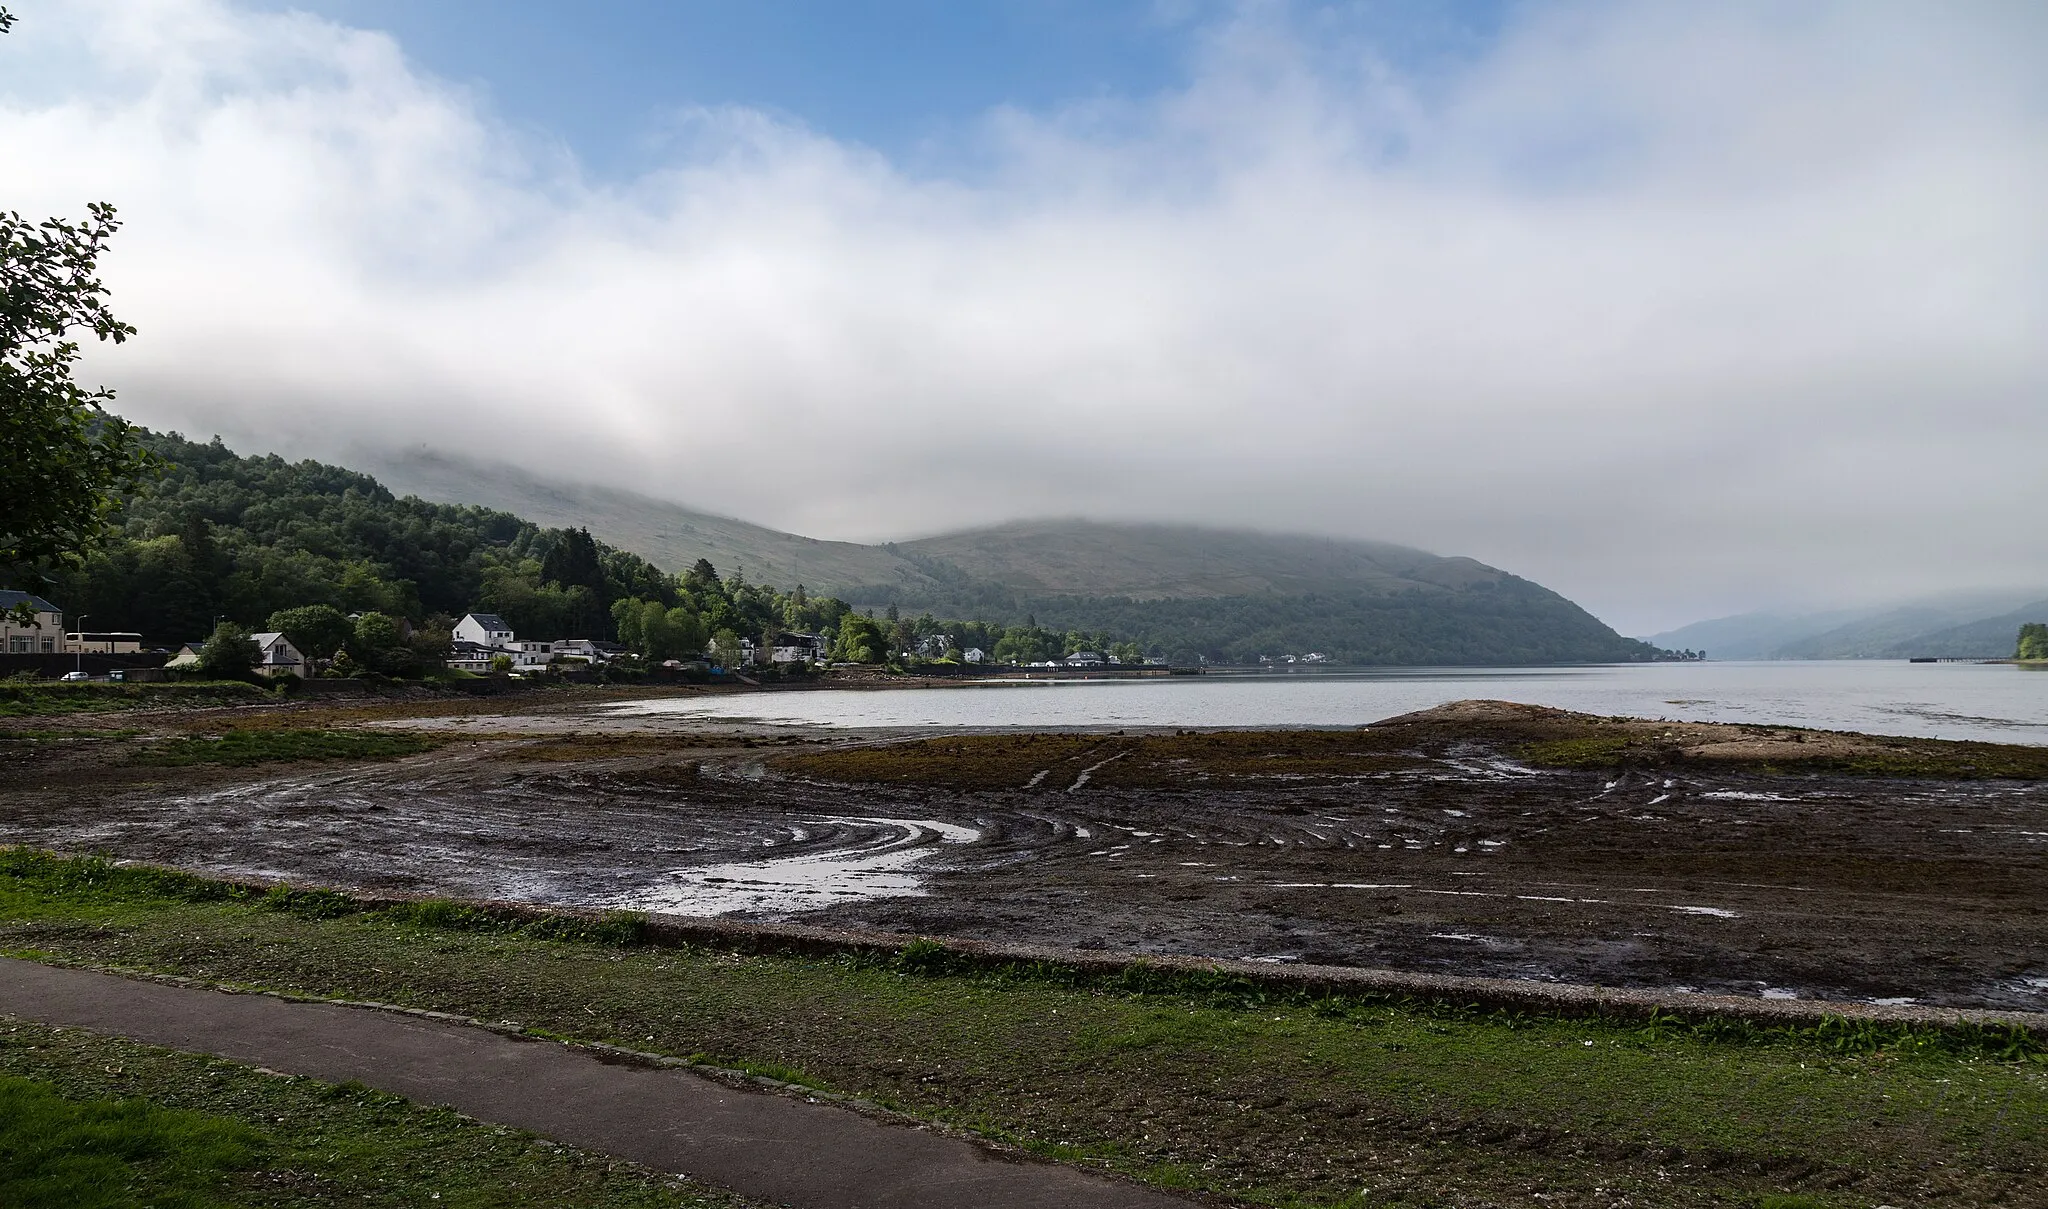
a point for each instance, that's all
(76, 676)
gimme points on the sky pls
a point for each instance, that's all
(1678, 309)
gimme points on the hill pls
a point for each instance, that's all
(1956, 625)
(1178, 591)
(665, 534)
(1181, 562)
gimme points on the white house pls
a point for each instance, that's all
(484, 629)
(973, 654)
(528, 654)
(588, 648)
(187, 656)
(40, 636)
(1085, 659)
(276, 656)
(466, 656)
(797, 648)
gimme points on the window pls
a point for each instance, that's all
(49, 646)
(21, 644)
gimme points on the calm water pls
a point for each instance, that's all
(1998, 702)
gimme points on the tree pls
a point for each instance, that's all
(2033, 641)
(64, 459)
(861, 640)
(229, 654)
(317, 630)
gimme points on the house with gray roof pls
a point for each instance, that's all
(41, 635)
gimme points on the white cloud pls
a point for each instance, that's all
(1671, 308)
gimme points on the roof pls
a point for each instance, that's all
(9, 598)
(489, 621)
(265, 639)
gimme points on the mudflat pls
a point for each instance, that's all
(1478, 838)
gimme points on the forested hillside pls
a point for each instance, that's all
(219, 535)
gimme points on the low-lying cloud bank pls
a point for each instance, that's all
(1674, 308)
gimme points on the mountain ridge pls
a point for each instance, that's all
(1189, 590)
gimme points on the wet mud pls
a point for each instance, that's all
(1452, 845)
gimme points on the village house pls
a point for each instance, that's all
(973, 654)
(588, 648)
(797, 648)
(38, 637)
(1085, 659)
(276, 656)
(187, 656)
(483, 629)
(466, 656)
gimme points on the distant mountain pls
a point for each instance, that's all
(1987, 638)
(1902, 632)
(1752, 635)
(667, 535)
(1965, 625)
(1162, 562)
(1178, 590)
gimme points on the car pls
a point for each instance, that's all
(76, 676)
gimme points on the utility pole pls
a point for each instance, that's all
(79, 650)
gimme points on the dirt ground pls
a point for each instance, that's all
(1475, 839)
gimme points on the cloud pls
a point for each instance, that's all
(1674, 308)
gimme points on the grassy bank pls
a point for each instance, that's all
(90, 1122)
(36, 698)
(1261, 1096)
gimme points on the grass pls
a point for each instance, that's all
(1208, 1083)
(92, 1122)
(244, 747)
(37, 698)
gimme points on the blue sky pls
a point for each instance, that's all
(909, 78)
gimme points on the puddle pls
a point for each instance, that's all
(879, 862)
(1716, 912)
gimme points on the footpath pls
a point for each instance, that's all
(772, 1147)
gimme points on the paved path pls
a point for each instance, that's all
(773, 1147)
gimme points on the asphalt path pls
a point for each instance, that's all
(772, 1147)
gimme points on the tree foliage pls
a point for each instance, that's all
(229, 654)
(2033, 642)
(316, 630)
(64, 458)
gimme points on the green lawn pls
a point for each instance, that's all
(1263, 1096)
(90, 1122)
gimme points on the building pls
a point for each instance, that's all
(973, 654)
(187, 656)
(104, 642)
(797, 648)
(1086, 659)
(527, 656)
(276, 656)
(466, 656)
(38, 636)
(588, 648)
(484, 629)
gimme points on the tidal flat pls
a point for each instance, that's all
(1477, 839)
